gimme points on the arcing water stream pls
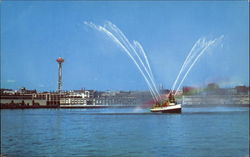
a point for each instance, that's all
(137, 54)
(197, 50)
(134, 51)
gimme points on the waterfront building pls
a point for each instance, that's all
(27, 99)
(216, 100)
(77, 97)
(24, 98)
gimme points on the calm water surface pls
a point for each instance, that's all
(197, 132)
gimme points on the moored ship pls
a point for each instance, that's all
(167, 106)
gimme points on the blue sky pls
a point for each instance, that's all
(35, 33)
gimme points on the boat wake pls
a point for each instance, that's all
(140, 111)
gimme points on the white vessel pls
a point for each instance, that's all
(171, 108)
(167, 106)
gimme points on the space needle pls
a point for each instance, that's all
(59, 60)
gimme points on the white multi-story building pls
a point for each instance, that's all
(76, 97)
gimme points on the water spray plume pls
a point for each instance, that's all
(133, 51)
(145, 56)
(133, 48)
(147, 68)
(184, 64)
(137, 54)
(204, 46)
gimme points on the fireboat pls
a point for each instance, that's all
(168, 105)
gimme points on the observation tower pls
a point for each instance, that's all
(59, 60)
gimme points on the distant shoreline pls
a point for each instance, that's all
(216, 105)
(68, 107)
(116, 106)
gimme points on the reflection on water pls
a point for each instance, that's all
(211, 131)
